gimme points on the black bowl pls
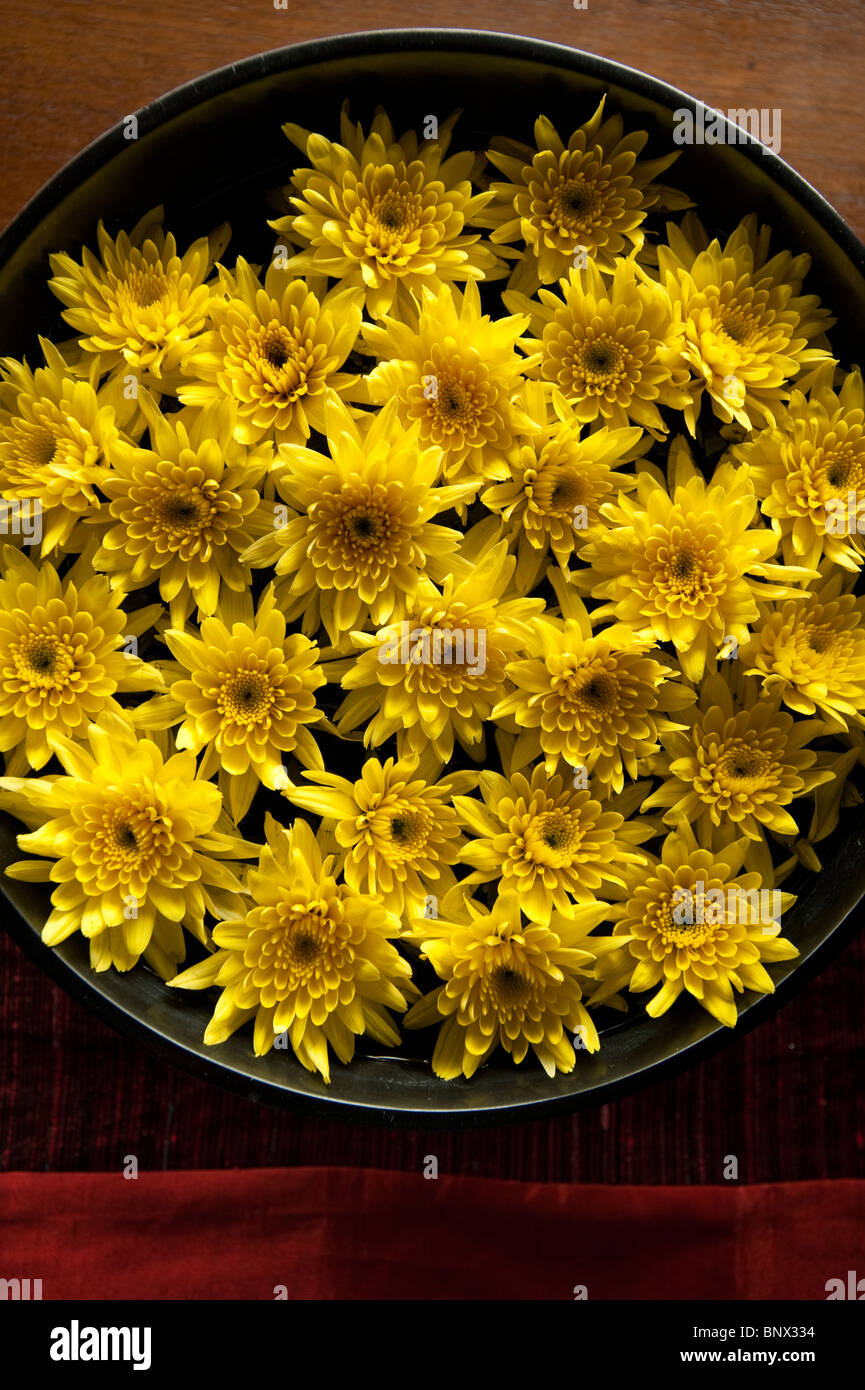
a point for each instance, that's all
(211, 151)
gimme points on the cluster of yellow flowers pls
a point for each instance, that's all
(556, 577)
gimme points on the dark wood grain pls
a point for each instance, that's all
(73, 70)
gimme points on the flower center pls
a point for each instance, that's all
(45, 662)
(129, 839)
(599, 690)
(820, 640)
(508, 986)
(365, 528)
(667, 921)
(125, 838)
(401, 830)
(245, 697)
(566, 491)
(408, 829)
(552, 838)
(743, 769)
(684, 574)
(276, 352)
(737, 326)
(388, 222)
(457, 405)
(304, 946)
(185, 511)
(603, 358)
(147, 286)
(39, 447)
(392, 212)
(842, 468)
(283, 363)
(296, 945)
(742, 762)
(577, 199)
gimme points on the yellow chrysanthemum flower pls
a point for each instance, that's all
(139, 302)
(809, 472)
(590, 195)
(133, 842)
(555, 483)
(181, 511)
(615, 350)
(384, 215)
(310, 959)
(696, 923)
(366, 529)
(737, 769)
(598, 702)
(63, 656)
(508, 983)
(455, 372)
(683, 563)
(435, 676)
(812, 654)
(57, 433)
(547, 840)
(245, 694)
(274, 350)
(747, 325)
(398, 831)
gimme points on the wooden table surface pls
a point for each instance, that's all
(73, 70)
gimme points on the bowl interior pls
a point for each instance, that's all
(214, 151)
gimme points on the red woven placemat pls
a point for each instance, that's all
(344, 1233)
(786, 1100)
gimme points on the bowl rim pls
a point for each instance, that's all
(165, 108)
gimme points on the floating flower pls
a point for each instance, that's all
(697, 924)
(548, 840)
(139, 302)
(309, 960)
(809, 472)
(435, 675)
(398, 831)
(614, 350)
(63, 656)
(274, 350)
(589, 195)
(555, 483)
(456, 373)
(684, 563)
(812, 654)
(246, 695)
(181, 512)
(133, 842)
(365, 530)
(737, 768)
(598, 701)
(384, 215)
(748, 327)
(508, 984)
(57, 433)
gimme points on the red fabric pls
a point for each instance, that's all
(352, 1233)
